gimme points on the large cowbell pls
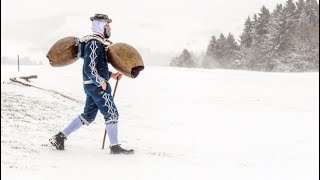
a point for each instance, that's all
(125, 59)
(63, 52)
(121, 56)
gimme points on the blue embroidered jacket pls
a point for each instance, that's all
(95, 66)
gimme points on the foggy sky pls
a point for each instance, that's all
(167, 26)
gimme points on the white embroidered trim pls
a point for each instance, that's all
(93, 56)
(111, 110)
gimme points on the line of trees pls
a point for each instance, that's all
(286, 39)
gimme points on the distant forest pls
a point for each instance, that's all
(285, 39)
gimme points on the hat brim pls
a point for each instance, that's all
(95, 18)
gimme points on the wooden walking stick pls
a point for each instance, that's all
(105, 130)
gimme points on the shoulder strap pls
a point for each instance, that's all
(98, 38)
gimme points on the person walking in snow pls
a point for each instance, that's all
(96, 75)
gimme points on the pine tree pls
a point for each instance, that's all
(231, 42)
(186, 59)
(246, 37)
(312, 10)
(215, 55)
(289, 8)
(276, 38)
(277, 26)
(175, 61)
(261, 26)
(306, 53)
(209, 58)
(257, 55)
(300, 7)
(220, 51)
(185, 55)
(211, 47)
(183, 60)
(231, 53)
(246, 41)
(292, 17)
(255, 20)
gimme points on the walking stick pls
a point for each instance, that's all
(105, 130)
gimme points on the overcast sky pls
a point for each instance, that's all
(30, 27)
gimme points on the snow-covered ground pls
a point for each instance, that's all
(183, 123)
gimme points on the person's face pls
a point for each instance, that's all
(107, 30)
(107, 26)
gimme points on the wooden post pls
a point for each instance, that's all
(18, 64)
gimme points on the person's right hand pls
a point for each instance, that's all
(116, 76)
(104, 85)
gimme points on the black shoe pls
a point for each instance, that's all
(58, 141)
(116, 149)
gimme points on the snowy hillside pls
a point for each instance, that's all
(188, 124)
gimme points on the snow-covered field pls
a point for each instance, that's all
(188, 124)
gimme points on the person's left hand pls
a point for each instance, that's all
(116, 76)
(104, 85)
